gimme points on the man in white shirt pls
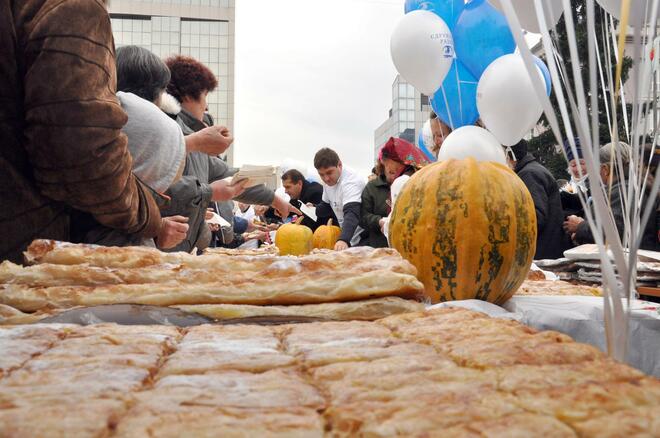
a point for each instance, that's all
(342, 195)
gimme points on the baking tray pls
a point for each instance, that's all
(138, 314)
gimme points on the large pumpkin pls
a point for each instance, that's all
(294, 239)
(326, 236)
(469, 227)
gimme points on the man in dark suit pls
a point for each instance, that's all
(551, 240)
(302, 191)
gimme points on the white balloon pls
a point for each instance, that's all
(397, 185)
(638, 10)
(290, 163)
(526, 11)
(422, 50)
(427, 135)
(312, 175)
(472, 141)
(506, 100)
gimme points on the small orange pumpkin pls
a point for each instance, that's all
(294, 239)
(326, 236)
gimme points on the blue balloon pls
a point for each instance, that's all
(481, 35)
(448, 10)
(456, 100)
(546, 74)
(423, 148)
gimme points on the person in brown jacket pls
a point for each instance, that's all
(61, 146)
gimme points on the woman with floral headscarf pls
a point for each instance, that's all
(397, 158)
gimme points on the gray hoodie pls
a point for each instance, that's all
(158, 149)
(155, 141)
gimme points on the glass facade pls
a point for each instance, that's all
(202, 29)
(410, 110)
(205, 40)
(403, 104)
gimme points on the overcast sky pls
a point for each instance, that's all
(312, 73)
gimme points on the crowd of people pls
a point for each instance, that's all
(123, 152)
(363, 211)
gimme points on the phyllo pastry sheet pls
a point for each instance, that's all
(441, 373)
(68, 275)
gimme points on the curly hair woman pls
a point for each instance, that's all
(190, 83)
(397, 159)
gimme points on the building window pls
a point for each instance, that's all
(205, 40)
(403, 90)
(411, 91)
(424, 101)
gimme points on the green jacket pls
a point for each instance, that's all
(375, 206)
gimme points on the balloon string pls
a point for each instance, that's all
(442, 132)
(460, 97)
(625, 11)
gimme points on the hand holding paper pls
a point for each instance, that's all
(224, 190)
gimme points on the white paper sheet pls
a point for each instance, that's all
(218, 220)
(310, 212)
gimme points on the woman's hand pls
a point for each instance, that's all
(223, 191)
(254, 227)
(213, 140)
(172, 232)
(259, 235)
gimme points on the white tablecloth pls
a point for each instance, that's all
(582, 319)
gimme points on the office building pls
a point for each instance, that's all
(202, 29)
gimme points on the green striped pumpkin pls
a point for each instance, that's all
(469, 227)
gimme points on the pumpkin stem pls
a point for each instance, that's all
(330, 222)
(299, 220)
